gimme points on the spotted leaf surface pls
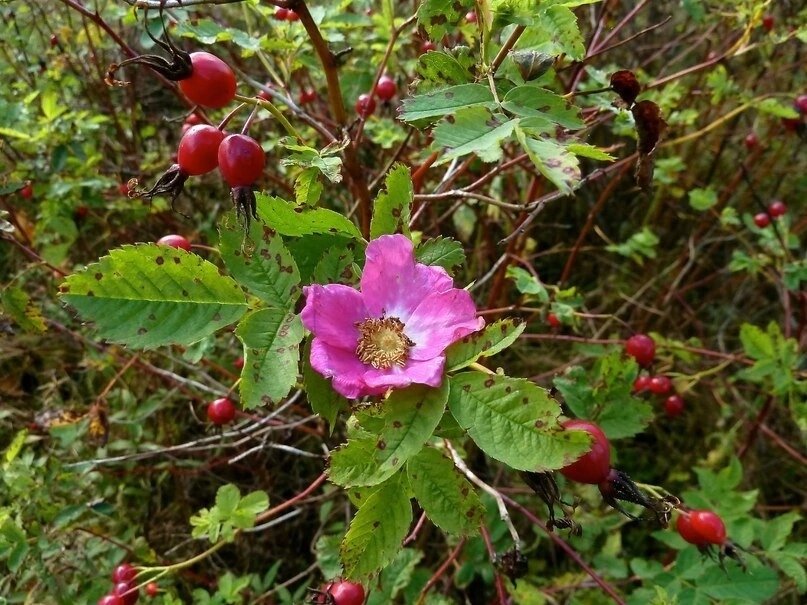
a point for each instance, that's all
(401, 425)
(446, 101)
(447, 497)
(554, 161)
(148, 295)
(473, 130)
(439, 17)
(392, 209)
(441, 251)
(289, 219)
(261, 262)
(513, 421)
(271, 340)
(493, 339)
(377, 531)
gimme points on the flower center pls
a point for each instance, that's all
(382, 342)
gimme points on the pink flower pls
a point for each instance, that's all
(395, 330)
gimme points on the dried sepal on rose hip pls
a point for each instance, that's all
(202, 77)
(513, 563)
(545, 487)
(625, 84)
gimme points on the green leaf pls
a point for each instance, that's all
(260, 262)
(271, 340)
(734, 583)
(441, 251)
(392, 209)
(527, 283)
(777, 109)
(561, 24)
(605, 395)
(702, 199)
(227, 498)
(326, 161)
(441, 67)
(535, 102)
(409, 417)
(445, 101)
(14, 448)
(15, 303)
(756, 343)
(589, 151)
(254, 503)
(376, 532)
(323, 399)
(148, 295)
(638, 246)
(288, 219)
(307, 187)
(553, 161)
(493, 339)
(473, 130)
(792, 567)
(439, 17)
(336, 267)
(513, 421)
(444, 494)
(395, 577)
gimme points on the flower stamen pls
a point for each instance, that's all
(382, 342)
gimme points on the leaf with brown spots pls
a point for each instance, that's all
(495, 338)
(392, 209)
(407, 420)
(514, 421)
(144, 301)
(377, 531)
(271, 340)
(439, 17)
(552, 159)
(261, 262)
(447, 497)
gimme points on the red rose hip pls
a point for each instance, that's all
(762, 219)
(198, 149)
(642, 348)
(777, 208)
(365, 105)
(212, 82)
(124, 572)
(386, 88)
(175, 241)
(673, 406)
(708, 525)
(221, 411)
(659, 385)
(241, 160)
(594, 465)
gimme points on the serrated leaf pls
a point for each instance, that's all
(395, 577)
(439, 17)
(254, 503)
(288, 219)
(227, 498)
(553, 161)
(756, 343)
(441, 251)
(307, 187)
(326, 161)
(527, 283)
(336, 267)
(473, 130)
(441, 67)
(20, 308)
(513, 421)
(561, 24)
(445, 101)
(735, 583)
(535, 102)
(392, 209)
(271, 340)
(148, 295)
(324, 400)
(776, 108)
(376, 532)
(589, 151)
(496, 337)
(407, 419)
(260, 262)
(445, 495)
(792, 567)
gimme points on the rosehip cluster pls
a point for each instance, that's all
(286, 14)
(776, 209)
(643, 349)
(124, 589)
